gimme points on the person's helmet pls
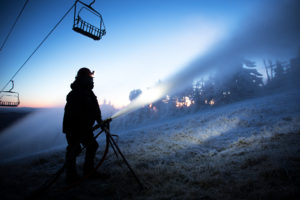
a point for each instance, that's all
(85, 72)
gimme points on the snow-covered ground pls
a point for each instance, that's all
(245, 150)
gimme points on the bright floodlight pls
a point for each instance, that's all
(149, 96)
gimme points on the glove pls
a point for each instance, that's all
(105, 124)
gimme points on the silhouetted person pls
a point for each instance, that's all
(81, 112)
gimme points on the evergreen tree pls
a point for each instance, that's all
(295, 68)
(134, 94)
(198, 92)
(245, 82)
(209, 91)
(279, 72)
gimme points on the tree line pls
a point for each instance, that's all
(219, 88)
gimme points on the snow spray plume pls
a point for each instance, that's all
(38, 132)
(274, 34)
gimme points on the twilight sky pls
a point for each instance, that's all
(146, 41)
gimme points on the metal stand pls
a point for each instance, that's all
(115, 147)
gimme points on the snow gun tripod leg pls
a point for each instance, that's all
(115, 146)
(112, 146)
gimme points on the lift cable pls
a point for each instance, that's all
(13, 26)
(38, 47)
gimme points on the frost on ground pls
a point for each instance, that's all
(246, 150)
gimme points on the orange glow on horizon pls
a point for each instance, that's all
(40, 104)
(52, 104)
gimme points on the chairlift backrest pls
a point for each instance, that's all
(81, 26)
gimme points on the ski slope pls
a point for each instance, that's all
(245, 150)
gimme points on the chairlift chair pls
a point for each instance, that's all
(83, 27)
(9, 98)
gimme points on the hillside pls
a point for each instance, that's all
(246, 150)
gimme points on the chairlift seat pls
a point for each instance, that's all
(9, 99)
(85, 28)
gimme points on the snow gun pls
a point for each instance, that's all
(110, 141)
(105, 126)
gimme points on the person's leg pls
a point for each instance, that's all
(73, 149)
(91, 148)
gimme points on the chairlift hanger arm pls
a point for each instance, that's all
(92, 2)
(12, 86)
(92, 11)
(89, 6)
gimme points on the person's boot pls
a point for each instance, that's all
(71, 175)
(88, 168)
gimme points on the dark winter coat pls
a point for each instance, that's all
(82, 108)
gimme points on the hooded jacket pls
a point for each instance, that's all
(82, 108)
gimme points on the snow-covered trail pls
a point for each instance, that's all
(246, 150)
(226, 149)
(217, 129)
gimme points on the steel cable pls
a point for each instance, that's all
(13, 26)
(37, 47)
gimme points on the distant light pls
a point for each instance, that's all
(186, 102)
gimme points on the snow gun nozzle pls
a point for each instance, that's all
(104, 124)
(108, 120)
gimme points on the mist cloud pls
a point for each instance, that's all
(272, 29)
